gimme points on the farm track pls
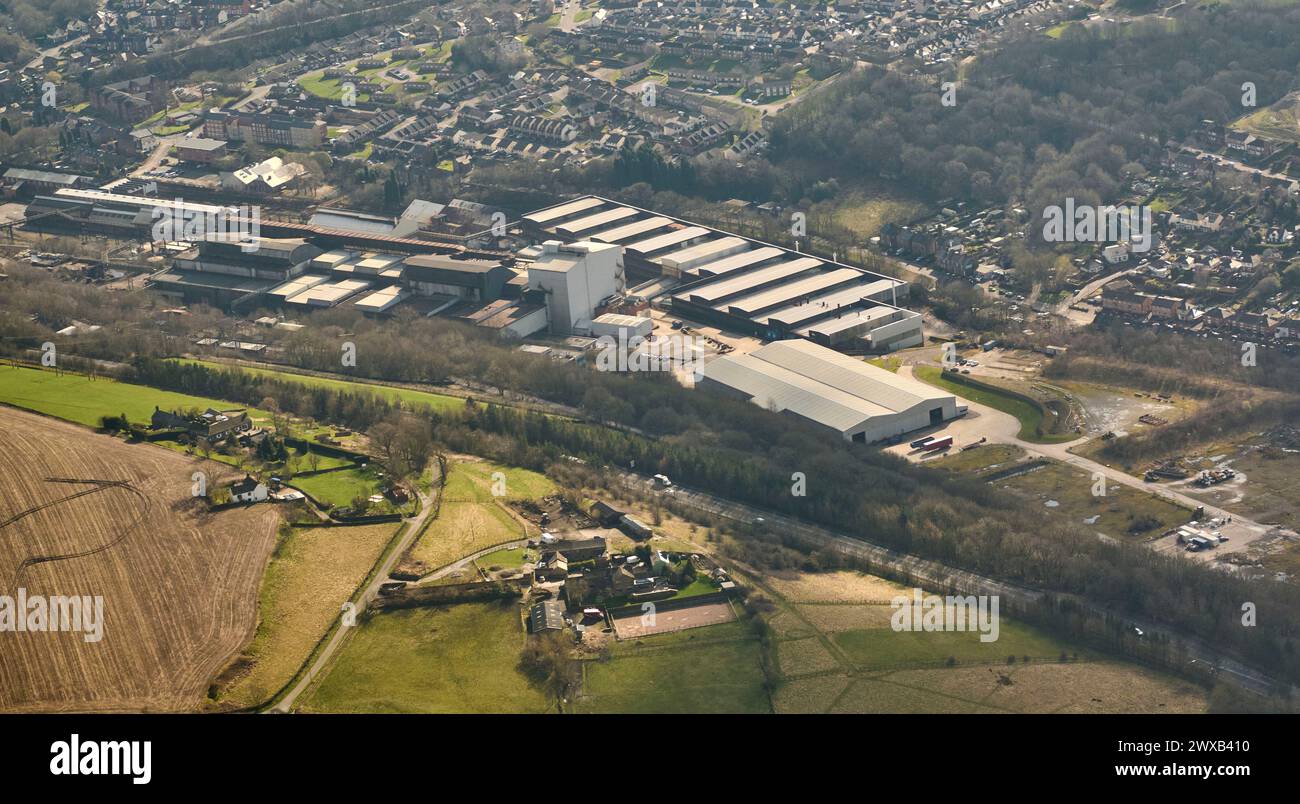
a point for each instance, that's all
(179, 584)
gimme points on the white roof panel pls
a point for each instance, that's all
(563, 210)
(849, 375)
(791, 291)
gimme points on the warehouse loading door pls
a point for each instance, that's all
(936, 415)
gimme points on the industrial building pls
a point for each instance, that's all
(134, 216)
(220, 272)
(739, 284)
(201, 150)
(575, 279)
(623, 327)
(22, 180)
(475, 280)
(292, 272)
(859, 401)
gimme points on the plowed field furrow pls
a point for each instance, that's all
(179, 586)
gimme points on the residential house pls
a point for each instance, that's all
(250, 489)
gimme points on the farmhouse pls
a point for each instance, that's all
(581, 549)
(634, 527)
(606, 514)
(210, 425)
(250, 489)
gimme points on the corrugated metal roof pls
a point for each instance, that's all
(576, 227)
(774, 387)
(848, 375)
(691, 255)
(737, 261)
(631, 229)
(819, 306)
(715, 292)
(669, 239)
(787, 293)
(564, 210)
(873, 316)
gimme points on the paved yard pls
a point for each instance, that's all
(631, 626)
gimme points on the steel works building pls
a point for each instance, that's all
(740, 284)
(859, 401)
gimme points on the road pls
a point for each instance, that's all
(999, 427)
(1083, 319)
(1092, 287)
(461, 563)
(55, 51)
(938, 576)
(569, 15)
(1237, 165)
(257, 94)
(340, 635)
(160, 151)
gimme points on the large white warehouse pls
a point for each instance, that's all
(856, 399)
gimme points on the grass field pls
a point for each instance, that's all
(884, 648)
(312, 573)
(1123, 513)
(328, 88)
(711, 670)
(1029, 416)
(340, 488)
(407, 396)
(866, 216)
(1281, 121)
(505, 559)
(462, 529)
(457, 659)
(835, 651)
(472, 518)
(472, 481)
(77, 398)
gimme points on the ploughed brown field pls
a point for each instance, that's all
(179, 585)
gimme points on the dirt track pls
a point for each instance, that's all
(179, 587)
